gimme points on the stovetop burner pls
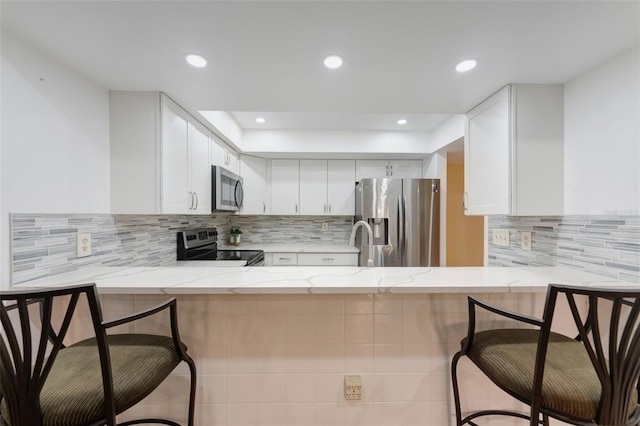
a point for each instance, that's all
(201, 244)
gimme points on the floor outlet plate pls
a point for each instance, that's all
(352, 388)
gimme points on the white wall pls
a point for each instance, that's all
(449, 131)
(339, 144)
(602, 138)
(54, 138)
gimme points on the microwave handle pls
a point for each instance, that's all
(238, 194)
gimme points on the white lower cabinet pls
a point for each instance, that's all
(311, 259)
(280, 259)
(328, 259)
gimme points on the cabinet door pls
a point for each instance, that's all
(371, 169)
(313, 187)
(218, 155)
(487, 152)
(405, 168)
(341, 178)
(232, 161)
(284, 187)
(200, 170)
(224, 156)
(175, 161)
(254, 180)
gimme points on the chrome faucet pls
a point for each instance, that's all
(352, 240)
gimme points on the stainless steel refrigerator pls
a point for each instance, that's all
(404, 215)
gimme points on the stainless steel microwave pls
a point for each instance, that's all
(227, 190)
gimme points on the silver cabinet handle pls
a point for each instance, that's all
(190, 200)
(264, 207)
(197, 201)
(386, 170)
(284, 258)
(327, 259)
(391, 170)
(329, 208)
(296, 208)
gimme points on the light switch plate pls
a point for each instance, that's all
(84, 245)
(501, 237)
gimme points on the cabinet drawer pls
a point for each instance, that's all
(283, 259)
(328, 259)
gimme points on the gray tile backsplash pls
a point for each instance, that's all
(294, 229)
(604, 245)
(45, 244)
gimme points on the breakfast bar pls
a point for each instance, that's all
(201, 279)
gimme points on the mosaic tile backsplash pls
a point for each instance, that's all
(604, 245)
(294, 229)
(45, 244)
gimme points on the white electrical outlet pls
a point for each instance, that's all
(84, 245)
(526, 240)
(325, 226)
(501, 237)
(352, 387)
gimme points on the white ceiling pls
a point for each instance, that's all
(265, 57)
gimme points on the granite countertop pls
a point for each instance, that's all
(292, 247)
(323, 280)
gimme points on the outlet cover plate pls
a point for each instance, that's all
(84, 245)
(526, 240)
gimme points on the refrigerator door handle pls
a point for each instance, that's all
(434, 188)
(401, 228)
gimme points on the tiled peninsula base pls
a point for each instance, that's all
(280, 360)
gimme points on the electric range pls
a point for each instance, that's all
(202, 244)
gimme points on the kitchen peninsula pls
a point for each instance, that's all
(323, 280)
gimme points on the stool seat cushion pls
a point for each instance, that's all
(73, 392)
(570, 384)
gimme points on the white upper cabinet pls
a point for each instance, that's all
(327, 187)
(254, 181)
(341, 187)
(405, 168)
(186, 173)
(224, 156)
(514, 152)
(199, 169)
(176, 197)
(313, 187)
(285, 178)
(159, 156)
(385, 168)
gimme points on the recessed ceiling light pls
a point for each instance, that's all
(466, 65)
(195, 60)
(402, 122)
(260, 120)
(333, 61)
